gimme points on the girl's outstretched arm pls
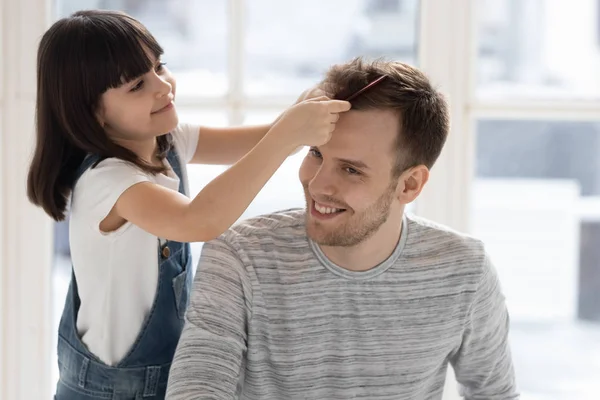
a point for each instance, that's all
(171, 215)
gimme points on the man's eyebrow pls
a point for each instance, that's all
(356, 163)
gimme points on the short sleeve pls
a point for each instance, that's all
(101, 186)
(186, 140)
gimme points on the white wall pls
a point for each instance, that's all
(25, 233)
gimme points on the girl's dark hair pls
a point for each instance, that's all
(79, 58)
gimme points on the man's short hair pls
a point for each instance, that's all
(422, 110)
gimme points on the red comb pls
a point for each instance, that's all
(370, 85)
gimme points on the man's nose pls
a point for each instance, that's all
(322, 183)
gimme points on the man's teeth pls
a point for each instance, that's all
(326, 210)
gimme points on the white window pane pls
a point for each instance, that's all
(538, 49)
(193, 34)
(290, 44)
(198, 115)
(200, 175)
(536, 205)
(263, 117)
(284, 189)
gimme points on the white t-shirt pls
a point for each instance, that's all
(116, 272)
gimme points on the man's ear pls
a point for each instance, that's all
(411, 183)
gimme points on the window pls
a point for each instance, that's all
(287, 54)
(536, 203)
(536, 187)
(539, 49)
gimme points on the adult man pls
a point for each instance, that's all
(350, 298)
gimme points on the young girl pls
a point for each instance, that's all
(109, 142)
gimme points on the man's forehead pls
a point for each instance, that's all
(367, 120)
(368, 136)
(372, 128)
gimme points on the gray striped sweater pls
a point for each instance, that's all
(272, 318)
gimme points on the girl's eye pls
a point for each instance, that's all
(140, 84)
(137, 86)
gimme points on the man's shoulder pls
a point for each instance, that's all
(278, 220)
(284, 225)
(459, 259)
(441, 241)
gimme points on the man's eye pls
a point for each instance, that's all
(352, 171)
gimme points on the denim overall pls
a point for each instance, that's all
(143, 373)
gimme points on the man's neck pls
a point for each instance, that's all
(370, 252)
